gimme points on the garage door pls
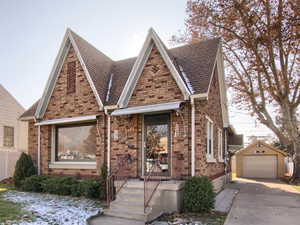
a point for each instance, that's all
(260, 166)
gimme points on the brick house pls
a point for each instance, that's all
(166, 108)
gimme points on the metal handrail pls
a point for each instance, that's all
(148, 180)
(121, 174)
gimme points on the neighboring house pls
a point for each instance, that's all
(13, 133)
(260, 160)
(161, 115)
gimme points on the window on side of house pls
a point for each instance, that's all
(209, 139)
(220, 145)
(76, 143)
(71, 77)
(8, 136)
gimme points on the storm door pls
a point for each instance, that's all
(157, 144)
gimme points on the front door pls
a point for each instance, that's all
(157, 144)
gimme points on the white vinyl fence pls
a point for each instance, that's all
(7, 163)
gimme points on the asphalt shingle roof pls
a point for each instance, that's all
(196, 59)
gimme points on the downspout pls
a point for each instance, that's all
(39, 150)
(108, 141)
(193, 135)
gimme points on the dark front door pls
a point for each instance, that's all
(157, 144)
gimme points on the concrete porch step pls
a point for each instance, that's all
(126, 213)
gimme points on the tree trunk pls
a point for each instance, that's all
(296, 161)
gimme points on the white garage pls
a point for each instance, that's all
(260, 160)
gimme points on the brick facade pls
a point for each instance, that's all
(155, 85)
(61, 105)
(211, 108)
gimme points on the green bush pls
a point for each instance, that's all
(59, 185)
(198, 195)
(89, 188)
(103, 172)
(92, 188)
(24, 168)
(33, 183)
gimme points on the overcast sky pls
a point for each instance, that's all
(31, 32)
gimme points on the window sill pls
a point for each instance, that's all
(73, 165)
(221, 160)
(210, 159)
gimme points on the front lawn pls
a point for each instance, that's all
(9, 211)
(193, 218)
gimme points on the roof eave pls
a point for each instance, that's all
(151, 39)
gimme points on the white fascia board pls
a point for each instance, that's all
(27, 118)
(53, 76)
(86, 72)
(200, 96)
(223, 88)
(222, 85)
(147, 108)
(135, 74)
(67, 120)
(139, 64)
(56, 69)
(170, 64)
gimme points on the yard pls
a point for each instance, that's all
(27, 208)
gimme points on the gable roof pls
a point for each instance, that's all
(29, 113)
(151, 40)
(254, 145)
(191, 66)
(95, 64)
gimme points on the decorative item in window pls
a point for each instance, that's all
(76, 142)
(8, 137)
(71, 77)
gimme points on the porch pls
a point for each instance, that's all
(148, 157)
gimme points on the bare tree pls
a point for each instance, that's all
(261, 41)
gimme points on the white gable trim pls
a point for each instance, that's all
(56, 69)
(151, 40)
(219, 65)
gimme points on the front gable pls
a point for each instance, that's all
(152, 41)
(80, 102)
(67, 44)
(155, 84)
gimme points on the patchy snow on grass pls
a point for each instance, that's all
(53, 209)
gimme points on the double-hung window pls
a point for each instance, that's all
(220, 145)
(209, 140)
(8, 137)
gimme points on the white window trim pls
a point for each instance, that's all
(210, 157)
(220, 145)
(66, 165)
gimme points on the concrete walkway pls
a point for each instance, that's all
(263, 202)
(224, 200)
(110, 220)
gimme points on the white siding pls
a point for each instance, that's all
(10, 110)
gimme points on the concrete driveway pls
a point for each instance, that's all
(263, 202)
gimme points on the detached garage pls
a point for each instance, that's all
(260, 160)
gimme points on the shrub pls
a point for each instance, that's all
(33, 183)
(59, 185)
(198, 195)
(92, 188)
(24, 168)
(103, 172)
